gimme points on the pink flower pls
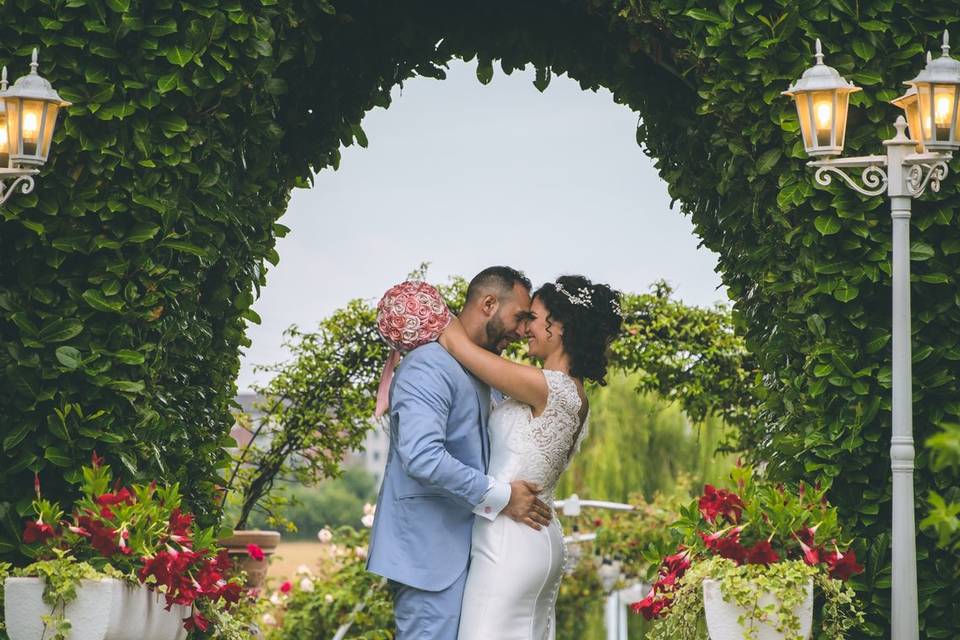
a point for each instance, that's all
(811, 555)
(286, 587)
(411, 314)
(255, 552)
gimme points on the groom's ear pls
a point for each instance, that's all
(489, 305)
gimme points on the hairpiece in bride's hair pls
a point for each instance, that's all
(584, 298)
(581, 298)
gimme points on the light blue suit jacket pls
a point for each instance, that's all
(435, 473)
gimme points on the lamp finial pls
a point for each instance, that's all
(33, 62)
(946, 43)
(3, 79)
(819, 54)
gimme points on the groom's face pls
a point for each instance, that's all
(508, 323)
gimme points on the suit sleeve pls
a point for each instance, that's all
(421, 402)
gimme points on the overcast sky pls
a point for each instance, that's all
(464, 176)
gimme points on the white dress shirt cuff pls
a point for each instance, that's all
(494, 500)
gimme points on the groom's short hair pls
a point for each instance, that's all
(498, 280)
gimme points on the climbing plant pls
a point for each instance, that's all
(127, 277)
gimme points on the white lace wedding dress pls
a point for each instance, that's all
(515, 571)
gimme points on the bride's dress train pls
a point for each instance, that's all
(515, 571)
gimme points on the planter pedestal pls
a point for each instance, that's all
(722, 615)
(107, 609)
(236, 546)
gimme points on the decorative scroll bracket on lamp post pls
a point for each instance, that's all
(911, 166)
(22, 180)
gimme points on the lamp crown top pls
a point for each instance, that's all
(33, 86)
(944, 70)
(820, 77)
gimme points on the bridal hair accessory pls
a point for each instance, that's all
(409, 315)
(581, 298)
(584, 298)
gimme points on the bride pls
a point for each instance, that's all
(515, 570)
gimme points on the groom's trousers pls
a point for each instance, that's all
(427, 615)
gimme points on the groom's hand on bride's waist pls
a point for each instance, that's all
(525, 507)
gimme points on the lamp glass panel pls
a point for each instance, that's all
(803, 113)
(49, 122)
(4, 140)
(824, 117)
(843, 101)
(943, 110)
(912, 109)
(31, 125)
(13, 125)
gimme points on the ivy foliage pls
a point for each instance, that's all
(127, 276)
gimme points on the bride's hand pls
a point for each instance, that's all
(452, 335)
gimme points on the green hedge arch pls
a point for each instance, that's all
(127, 277)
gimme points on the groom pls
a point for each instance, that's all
(435, 481)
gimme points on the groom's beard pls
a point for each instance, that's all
(496, 334)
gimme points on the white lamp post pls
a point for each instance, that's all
(28, 118)
(903, 173)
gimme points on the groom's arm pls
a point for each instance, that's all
(421, 401)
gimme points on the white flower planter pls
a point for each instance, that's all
(722, 616)
(107, 609)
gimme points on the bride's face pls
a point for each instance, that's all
(541, 342)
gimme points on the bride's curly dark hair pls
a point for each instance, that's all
(591, 319)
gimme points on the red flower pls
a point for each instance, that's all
(843, 565)
(726, 544)
(195, 621)
(720, 502)
(223, 560)
(35, 531)
(731, 549)
(806, 535)
(650, 607)
(677, 563)
(123, 495)
(761, 553)
(255, 552)
(286, 586)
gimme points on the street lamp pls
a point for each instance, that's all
(29, 118)
(822, 97)
(903, 173)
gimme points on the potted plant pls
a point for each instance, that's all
(749, 563)
(127, 562)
